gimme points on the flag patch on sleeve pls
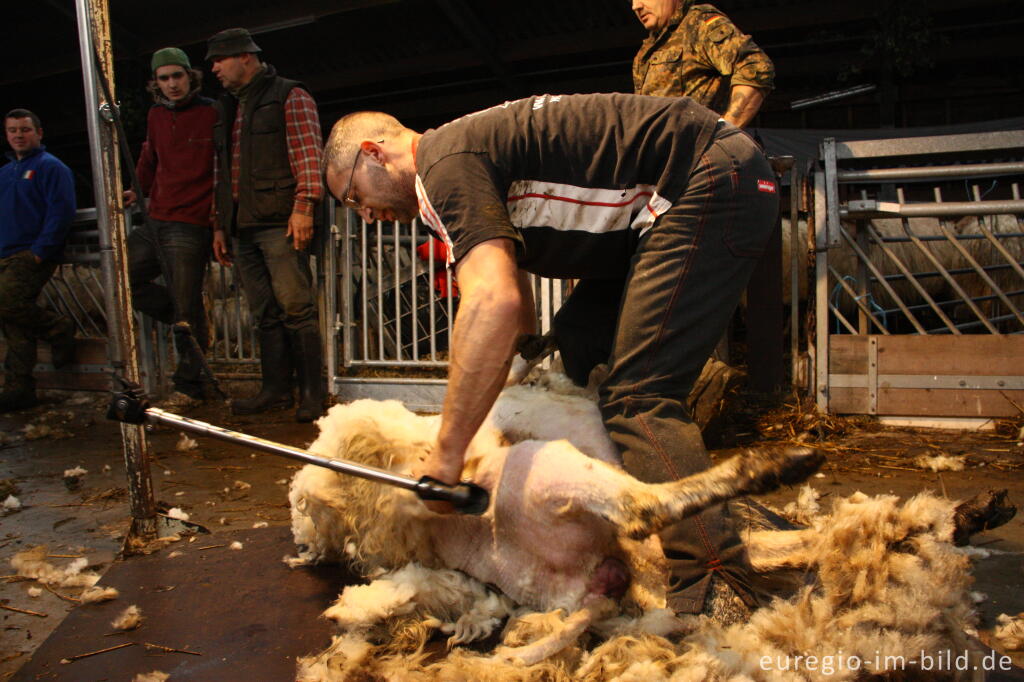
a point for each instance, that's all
(29, 174)
(766, 186)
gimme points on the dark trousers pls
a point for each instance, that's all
(686, 278)
(179, 252)
(277, 280)
(22, 320)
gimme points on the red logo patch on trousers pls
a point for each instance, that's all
(766, 186)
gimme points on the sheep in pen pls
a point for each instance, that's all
(563, 578)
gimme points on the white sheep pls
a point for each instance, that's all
(567, 534)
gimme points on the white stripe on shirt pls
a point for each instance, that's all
(535, 203)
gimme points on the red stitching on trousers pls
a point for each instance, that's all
(685, 271)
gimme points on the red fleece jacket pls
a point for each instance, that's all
(176, 165)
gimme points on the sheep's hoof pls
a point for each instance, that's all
(769, 470)
(982, 512)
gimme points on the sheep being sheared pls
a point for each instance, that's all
(567, 535)
(564, 530)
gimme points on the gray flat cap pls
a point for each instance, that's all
(229, 42)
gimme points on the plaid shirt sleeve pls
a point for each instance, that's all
(305, 149)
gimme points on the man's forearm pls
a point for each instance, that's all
(483, 339)
(744, 103)
(485, 332)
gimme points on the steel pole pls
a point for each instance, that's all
(466, 497)
(131, 407)
(94, 39)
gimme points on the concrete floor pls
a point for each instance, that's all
(229, 488)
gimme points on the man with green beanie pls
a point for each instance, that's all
(175, 170)
(268, 184)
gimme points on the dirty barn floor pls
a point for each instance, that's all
(230, 488)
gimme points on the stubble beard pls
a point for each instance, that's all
(399, 193)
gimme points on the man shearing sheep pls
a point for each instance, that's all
(658, 191)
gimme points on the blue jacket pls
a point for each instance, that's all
(37, 204)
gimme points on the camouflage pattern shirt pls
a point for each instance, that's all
(700, 54)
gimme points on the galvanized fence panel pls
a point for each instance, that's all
(232, 335)
(77, 290)
(921, 237)
(396, 303)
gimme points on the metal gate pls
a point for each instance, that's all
(919, 279)
(391, 310)
(78, 290)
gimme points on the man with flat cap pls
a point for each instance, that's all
(267, 183)
(175, 170)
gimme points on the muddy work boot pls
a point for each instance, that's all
(19, 393)
(276, 367)
(307, 356)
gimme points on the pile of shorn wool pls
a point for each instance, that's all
(886, 585)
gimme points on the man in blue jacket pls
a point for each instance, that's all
(37, 205)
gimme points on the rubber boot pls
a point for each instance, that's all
(276, 367)
(308, 360)
(19, 394)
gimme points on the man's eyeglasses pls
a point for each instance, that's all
(347, 197)
(164, 77)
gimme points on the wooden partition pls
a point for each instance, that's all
(976, 375)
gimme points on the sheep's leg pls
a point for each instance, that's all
(982, 512)
(771, 550)
(647, 508)
(484, 616)
(530, 350)
(575, 625)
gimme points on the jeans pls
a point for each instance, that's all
(179, 252)
(277, 280)
(685, 280)
(22, 320)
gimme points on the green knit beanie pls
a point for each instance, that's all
(168, 56)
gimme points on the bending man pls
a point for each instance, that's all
(654, 190)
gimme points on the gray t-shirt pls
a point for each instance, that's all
(573, 180)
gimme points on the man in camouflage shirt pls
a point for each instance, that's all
(696, 51)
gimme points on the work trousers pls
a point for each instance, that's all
(179, 252)
(277, 280)
(22, 320)
(685, 280)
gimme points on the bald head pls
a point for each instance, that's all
(351, 130)
(370, 165)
